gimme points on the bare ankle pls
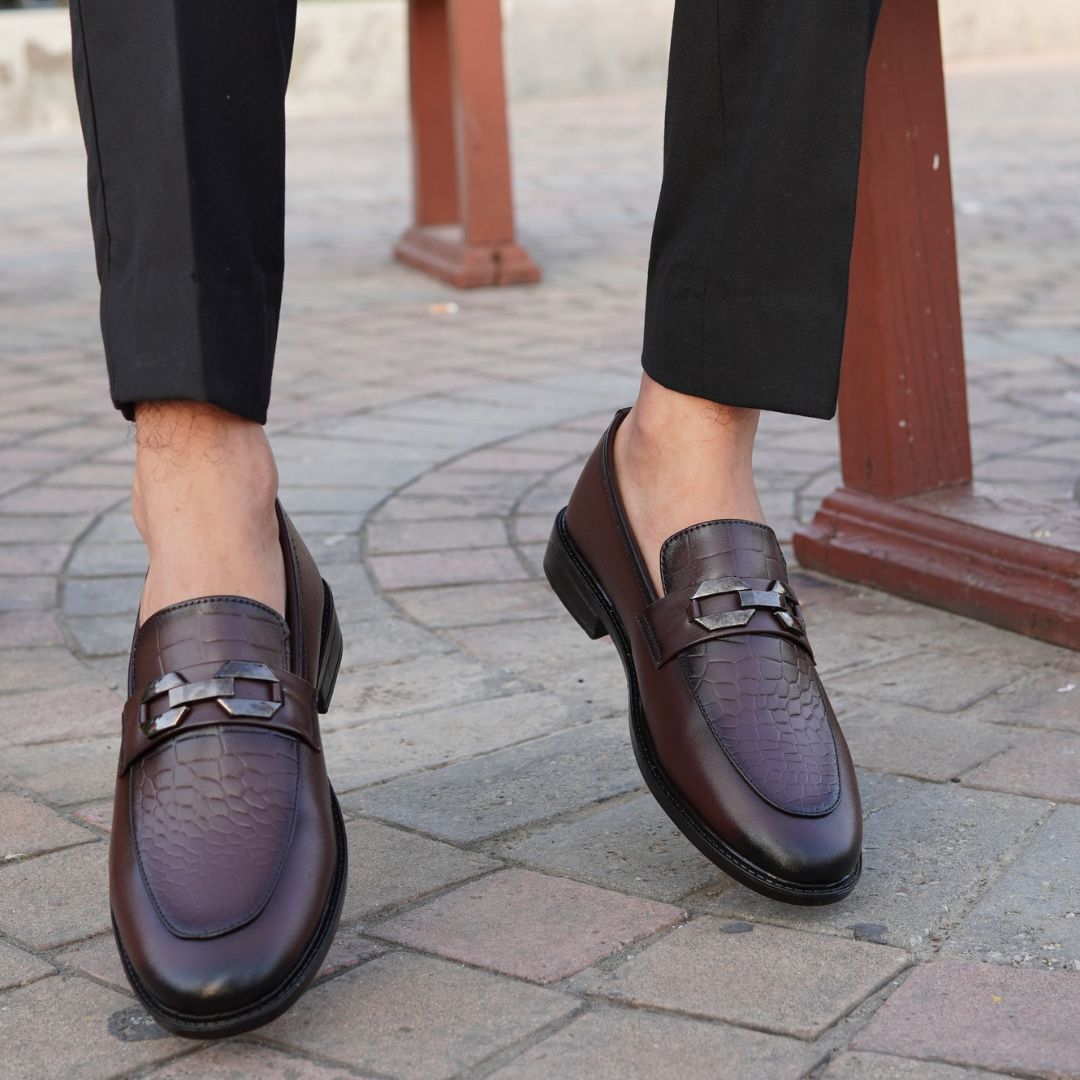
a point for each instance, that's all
(203, 500)
(191, 456)
(681, 460)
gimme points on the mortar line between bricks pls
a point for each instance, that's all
(505, 1055)
(691, 1014)
(962, 777)
(147, 1070)
(967, 901)
(299, 1054)
(559, 985)
(846, 1028)
(21, 858)
(565, 817)
(823, 1066)
(68, 812)
(368, 921)
(439, 766)
(540, 823)
(527, 687)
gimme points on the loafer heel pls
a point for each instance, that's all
(570, 584)
(329, 653)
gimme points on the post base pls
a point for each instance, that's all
(442, 251)
(1006, 561)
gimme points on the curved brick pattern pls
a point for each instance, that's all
(423, 451)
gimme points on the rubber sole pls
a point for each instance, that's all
(281, 997)
(584, 597)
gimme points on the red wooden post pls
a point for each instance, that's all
(908, 518)
(464, 227)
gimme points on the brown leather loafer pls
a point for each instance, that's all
(730, 724)
(227, 862)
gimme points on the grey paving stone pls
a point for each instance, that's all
(29, 628)
(51, 715)
(596, 680)
(926, 848)
(1043, 700)
(98, 957)
(42, 669)
(863, 1066)
(534, 647)
(529, 925)
(416, 1017)
(382, 749)
(355, 595)
(387, 640)
(31, 828)
(509, 788)
(465, 605)
(24, 592)
(413, 506)
(614, 1044)
(389, 537)
(942, 681)
(349, 949)
(60, 1028)
(113, 528)
(984, 1015)
(629, 845)
(1045, 766)
(787, 982)
(108, 560)
(389, 867)
(421, 684)
(18, 967)
(467, 565)
(102, 635)
(66, 772)
(23, 529)
(1030, 916)
(115, 595)
(909, 741)
(236, 1060)
(56, 899)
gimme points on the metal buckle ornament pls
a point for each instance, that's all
(778, 598)
(221, 689)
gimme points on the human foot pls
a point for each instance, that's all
(203, 501)
(680, 461)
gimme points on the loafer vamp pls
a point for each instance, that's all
(759, 692)
(764, 703)
(229, 971)
(212, 818)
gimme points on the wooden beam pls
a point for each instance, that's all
(464, 221)
(908, 518)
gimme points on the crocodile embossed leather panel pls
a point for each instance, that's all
(760, 694)
(212, 809)
(213, 817)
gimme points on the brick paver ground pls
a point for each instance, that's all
(518, 907)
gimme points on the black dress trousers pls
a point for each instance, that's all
(182, 106)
